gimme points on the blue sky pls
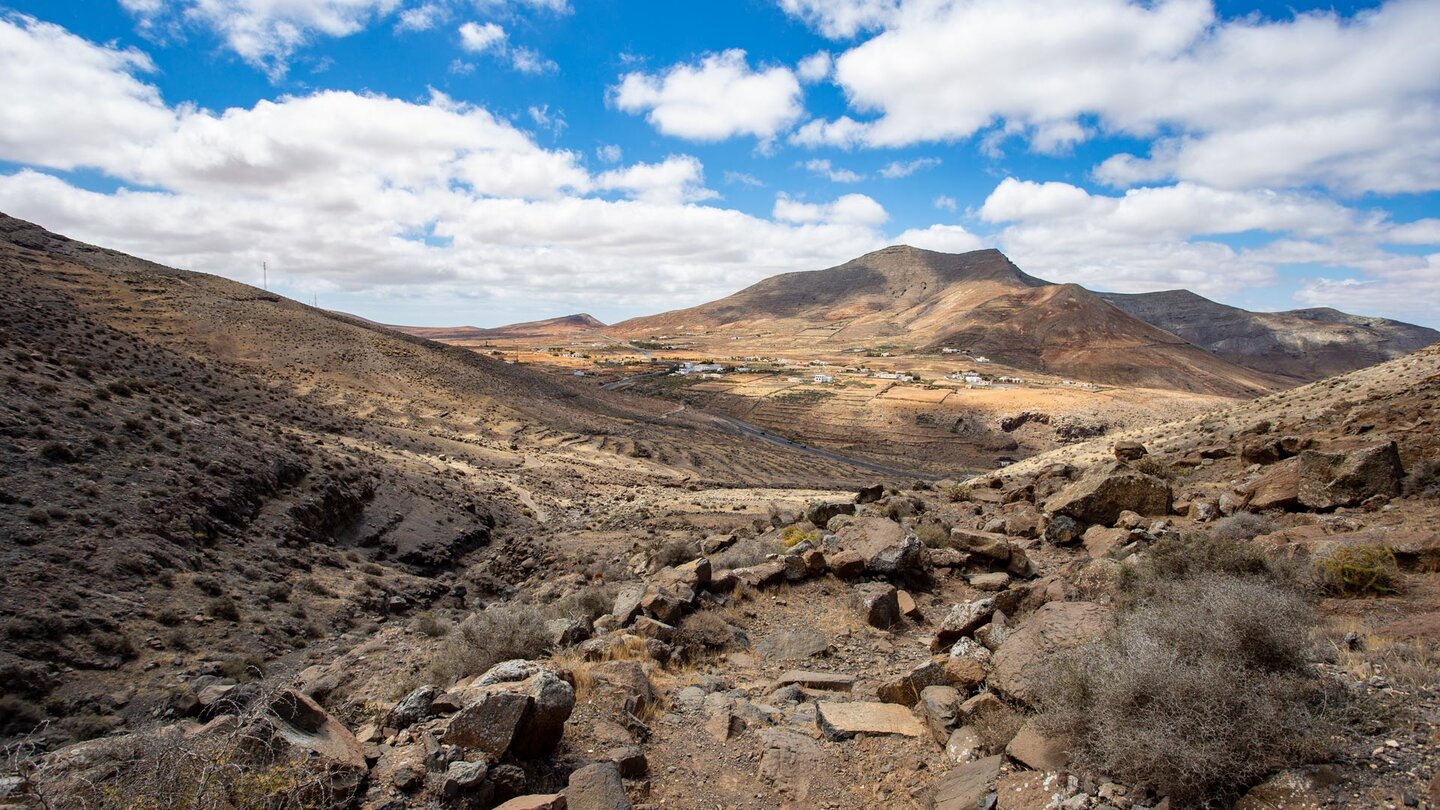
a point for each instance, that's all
(487, 161)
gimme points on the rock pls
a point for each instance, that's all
(847, 564)
(963, 745)
(792, 645)
(1034, 749)
(1108, 489)
(661, 604)
(992, 546)
(763, 575)
(1277, 488)
(1129, 520)
(516, 669)
(623, 683)
(1052, 627)
(627, 604)
(792, 761)
(870, 494)
(907, 605)
(1100, 541)
(597, 786)
(882, 543)
(841, 721)
(566, 632)
(815, 565)
(467, 780)
(722, 724)
(965, 674)
(551, 702)
(412, 708)
(1330, 480)
(964, 786)
(295, 722)
(877, 604)
(795, 567)
(695, 573)
(996, 581)
(896, 560)
(963, 620)
(820, 513)
(488, 724)
(716, 543)
(630, 760)
(535, 801)
(1025, 521)
(905, 689)
(646, 627)
(1063, 530)
(828, 681)
(940, 708)
(1127, 450)
(509, 780)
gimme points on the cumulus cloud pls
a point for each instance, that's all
(842, 19)
(831, 172)
(814, 68)
(716, 98)
(946, 203)
(478, 38)
(943, 238)
(1350, 102)
(376, 195)
(851, 209)
(422, 17)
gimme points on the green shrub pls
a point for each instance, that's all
(933, 535)
(794, 535)
(1358, 571)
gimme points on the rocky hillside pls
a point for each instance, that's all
(1238, 610)
(550, 327)
(1303, 344)
(977, 302)
(201, 477)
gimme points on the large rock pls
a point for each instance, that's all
(597, 787)
(488, 723)
(1277, 488)
(1035, 749)
(883, 544)
(627, 603)
(940, 706)
(296, 728)
(1286, 790)
(905, 689)
(829, 681)
(526, 717)
(792, 761)
(1052, 627)
(821, 512)
(535, 801)
(964, 620)
(847, 564)
(1330, 480)
(878, 604)
(412, 708)
(792, 645)
(763, 575)
(1108, 489)
(990, 545)
(965, 786)
(840, 721)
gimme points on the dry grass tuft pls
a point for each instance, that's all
(1358, 571)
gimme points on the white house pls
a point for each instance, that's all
(824, 378)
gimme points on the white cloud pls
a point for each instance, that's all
(842, 19)
(1419, 232)
(905, 168)
(529, 60)
(610, 153)
(744, 179)
(1349, 102)
(834, 174)
(332, 189)
(851, 209)
(422, 17)
(677, 179)
(478, 38)
(943, 238)
(1408, 291)
(717, 98)
(814, 68)
(946, 203)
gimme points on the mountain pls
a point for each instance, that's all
(550, 327)
(979, 302)
(1302, 344)
(194, 470)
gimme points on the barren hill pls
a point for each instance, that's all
(565, 325)
(979, 302)
(1303, 344)
(194, 470)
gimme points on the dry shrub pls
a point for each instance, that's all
(746, 552)
(1358, 571)
(956, 493)
(1154, 466)
(702, 634)
(1173, 559)
(675, 551)
(497, 633)
(1424, 478)
(1241, 526)
(932, 534)
(796, 534)
(585, 604)
(1202, 687)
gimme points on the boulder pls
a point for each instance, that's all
(877, 604)
(1286, 790)
(1277, 488)
(695, 573)
(1052, 627)
(792, 645)
(1100, 541)
(996, 581)
(940, 708)
(828, 681)
(763, 575)
(487, 724)
(905, 689)
(908, 608)
(663, 604)
(1127, 450)
(963, 620)
(820, 513)
(535, 801)
(630, 760)
(990, 545)
(1348, 478)
(627, 603)
(1027, 790)
(965, 786)
(566, 632)
(526, 717)
(792, 761)
(597, 786)
(847, 564)
(412, 708)
(870, 494)
(964, 673)
(841, 721)
(467, 780)
(964, 744)
(1063, 530)
(1106, 490)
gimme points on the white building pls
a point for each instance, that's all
(824, 378)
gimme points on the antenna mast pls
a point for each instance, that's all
(265, 275)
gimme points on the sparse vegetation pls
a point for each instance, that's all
(1241, 526)
(1354, 571)
(485, 638)
(796, 534)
